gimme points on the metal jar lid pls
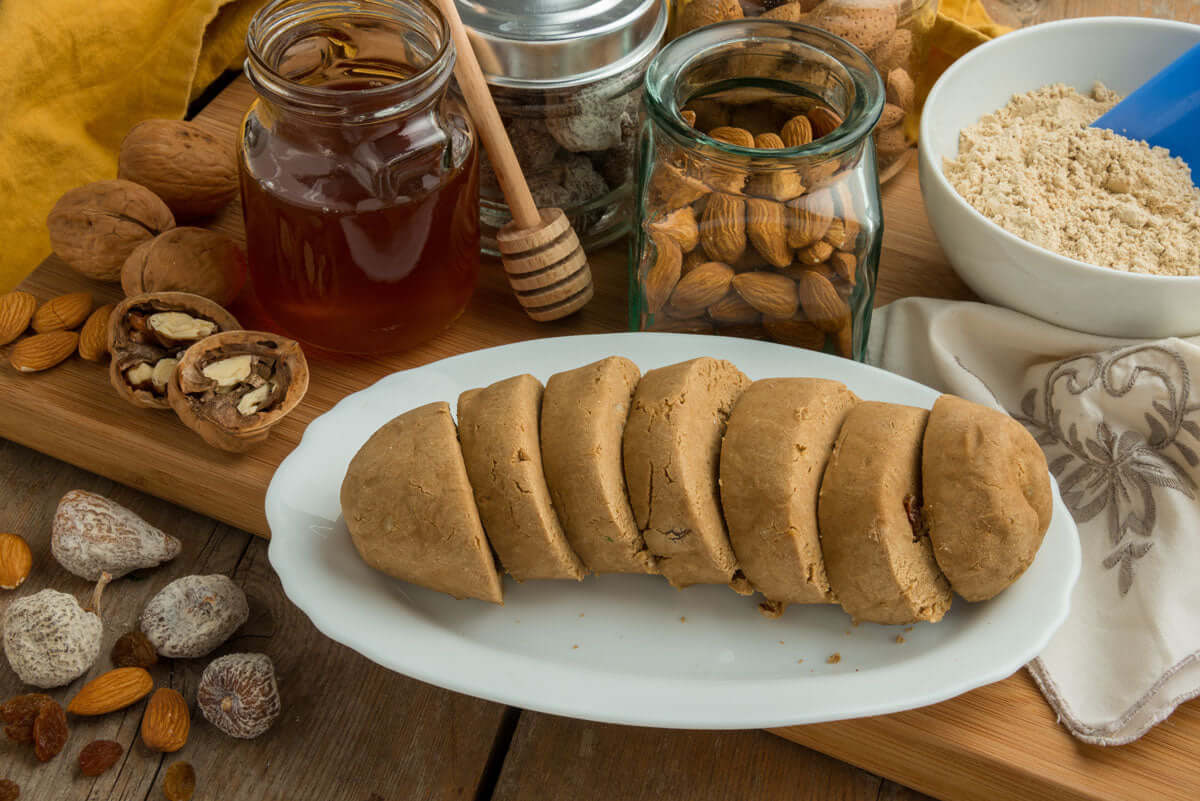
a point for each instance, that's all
(549, 44)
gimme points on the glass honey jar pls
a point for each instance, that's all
(359, 174)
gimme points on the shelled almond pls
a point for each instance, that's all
(742, 246)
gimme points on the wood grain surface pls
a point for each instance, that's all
(351, 730)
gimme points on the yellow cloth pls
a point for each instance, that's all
(75, 75)
(960, 26)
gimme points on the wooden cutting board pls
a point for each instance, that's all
(999, 741)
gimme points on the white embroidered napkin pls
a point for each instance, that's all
(1119, 421)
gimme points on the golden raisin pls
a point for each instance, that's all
(49, 731)
(180, 782)
(9, 790)
(98, 756)
(19, 711)
(133, 649)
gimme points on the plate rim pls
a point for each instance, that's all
(608, 710)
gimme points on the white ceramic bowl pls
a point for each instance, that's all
(1002, 268)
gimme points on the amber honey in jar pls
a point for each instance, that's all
(359, 174)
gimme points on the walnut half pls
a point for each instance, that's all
(231, 388)
(148, 333)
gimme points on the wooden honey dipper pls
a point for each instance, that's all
(546, 265)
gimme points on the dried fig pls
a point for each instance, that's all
(94, 228)
(232, 387)
(49, 639)
(92, 535)
(194, 172)
(193, 615)
(186, 260)
(237, 694)
(146, 335)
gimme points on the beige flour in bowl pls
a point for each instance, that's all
(1036, 169)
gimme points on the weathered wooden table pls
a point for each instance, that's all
(351, 730)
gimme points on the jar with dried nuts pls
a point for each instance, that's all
(568, 87)
(758, 205)
(895, 35)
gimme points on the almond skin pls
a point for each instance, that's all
(731, 310)
(723, 227)
(844, 266)
(664, 273)
(64, 313)
(16, 560)
(16, 310)
(680, 225)
(892, 115)
(810, 217)
(93, 337)
(699, 13)
(797, 131)
(670, 189)
(815, 253)
(167, 721)
(699, 289)
(42, 351)
(766, 227)
(822, 304)
(836, 234)
(108, 692)
(900, 89)
(732, 136)
(772, 294)
(780, 184)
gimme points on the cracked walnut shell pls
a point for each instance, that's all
(232, 388)
(147, 334)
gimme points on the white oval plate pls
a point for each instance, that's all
(631, 649)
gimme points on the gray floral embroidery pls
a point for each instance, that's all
(1115, 472)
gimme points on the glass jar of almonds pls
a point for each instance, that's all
(758, 210)
(895, 35)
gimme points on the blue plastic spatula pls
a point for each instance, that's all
(1164, 111)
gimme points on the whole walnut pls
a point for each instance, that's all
(194, 172)
(237, 694)
(193, 615)
(94, 228)
(186, 259)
